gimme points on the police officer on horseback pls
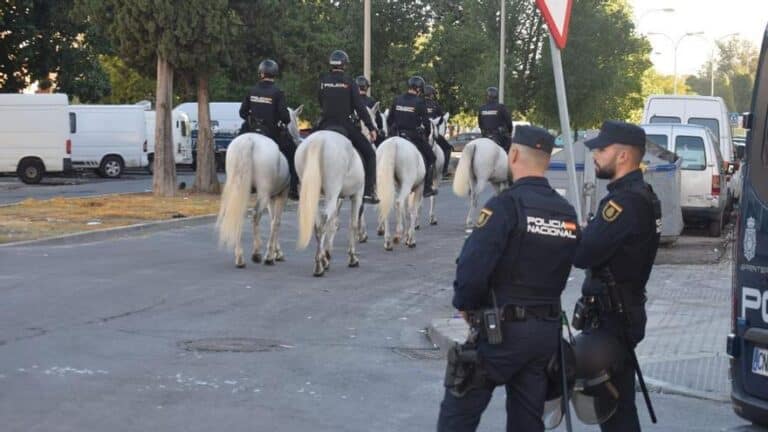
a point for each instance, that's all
(339, 97)
(435, 112)
(408, 118)
(510, 275)
(264, 111)
(363, 84)
(494, 119)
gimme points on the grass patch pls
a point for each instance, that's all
(34, 219)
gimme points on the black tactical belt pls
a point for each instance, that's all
(512, 312)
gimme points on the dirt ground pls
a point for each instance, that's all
(33, 219)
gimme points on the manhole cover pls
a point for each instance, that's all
(420, 353)
(234, 345)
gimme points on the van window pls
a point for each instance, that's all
(710, 123)
(72, 122)
(659, 140)
(665, 119)
(691, 150)
(183, 128)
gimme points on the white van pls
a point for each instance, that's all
(700, 110)
(108, 138)
(225, 114)
(182, 138)
(702, 171)
(34, 135)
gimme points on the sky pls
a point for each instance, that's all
(716, 18)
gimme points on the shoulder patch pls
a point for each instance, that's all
(611, 211)
(483, 217)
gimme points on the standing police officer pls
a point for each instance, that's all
(339, 96)
(265, 112)
(618, 247)
(434, 111)
(518, 258)
(363, 85)
(408, 117)
(494, 119)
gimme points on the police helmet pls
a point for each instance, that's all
(492, 93)
(553, 405)
(362, 83)
(268, 68)
(416, 83)
(339, 59)
(599, 355)
(430, 91)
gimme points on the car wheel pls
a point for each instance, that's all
(30, 171)
(111, 167)
(716, 226)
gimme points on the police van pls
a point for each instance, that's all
(747, 344)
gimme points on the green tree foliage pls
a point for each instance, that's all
(735, 69)
(127, 85)
(603, 62)
(41, 39)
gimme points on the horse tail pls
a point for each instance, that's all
(463, 177)
(237, 191)
(309, 196)
(385, 177)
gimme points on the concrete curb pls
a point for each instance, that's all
(444, 332)
(110, 233)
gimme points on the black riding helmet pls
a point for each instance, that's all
(416, 83)
(362, 83)
(492, 93)
(339, 59)
(430, 91)
(268, 68)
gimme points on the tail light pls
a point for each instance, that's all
(69, 147)
(715, 184)
(145, 146)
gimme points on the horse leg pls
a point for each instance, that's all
(356, 204)
(276, 213)
(257, 212)
(320, 233)
(399, 209)
(472, 204)
(415, 204)
(332, 230)
(432, 217)
(362, 232)
(239, 260)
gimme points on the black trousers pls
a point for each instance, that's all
(288, 149)
(443, 144)
(363, 147)
(519, 364)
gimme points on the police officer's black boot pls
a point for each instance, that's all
(428, 189)
(293, 190)
(369, 193)
(447, 162)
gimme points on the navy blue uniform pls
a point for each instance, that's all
(623, 236)
(434, 111)
(408, 117)
(495, 123)
(522, 249)
(339, 96)
(264, 111)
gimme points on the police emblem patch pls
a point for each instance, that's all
(611, 211)
(750, 239)
(483, 217)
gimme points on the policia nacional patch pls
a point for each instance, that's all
(483, 217)
(611, 211)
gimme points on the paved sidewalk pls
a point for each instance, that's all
(688, 319)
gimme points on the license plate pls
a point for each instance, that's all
(760, 362)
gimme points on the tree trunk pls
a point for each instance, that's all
(205, 177)
(164, 177)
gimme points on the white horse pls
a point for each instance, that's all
(327, 163)
(437, 175)
(400, 184)
(255, 161)
(482, 161)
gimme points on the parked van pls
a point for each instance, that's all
(699, 110)
(34, 135)
(702, 173)
(225, 114)
(182, 138)
(748, 340)
(108, 138)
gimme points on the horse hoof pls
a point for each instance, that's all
(269, 262)
(388, 246)
(411, 245)
(433, 222)
(417, 227)
(396, 240)
(327, 255)
(380, 232)
(240, 265)
(280, 258)
(353, 262)
(256, 258)
(363, 238)
(319, 270)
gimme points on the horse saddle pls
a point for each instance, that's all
(337, 128)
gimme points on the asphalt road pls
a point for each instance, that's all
(94, 337)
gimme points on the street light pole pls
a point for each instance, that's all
(502, 48)
(675, 45)
(367, 41)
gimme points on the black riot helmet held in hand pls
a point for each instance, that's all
(362, 83)
(492, 93)
(339, 59)
(599, 355)
(268, 68)
(416, 83)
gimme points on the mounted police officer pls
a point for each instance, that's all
(408, 118)
(618, 248)
(434, 111)
(363, 84)
(339, 97)
(265, 111)
(494, 119)
(511, 272)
